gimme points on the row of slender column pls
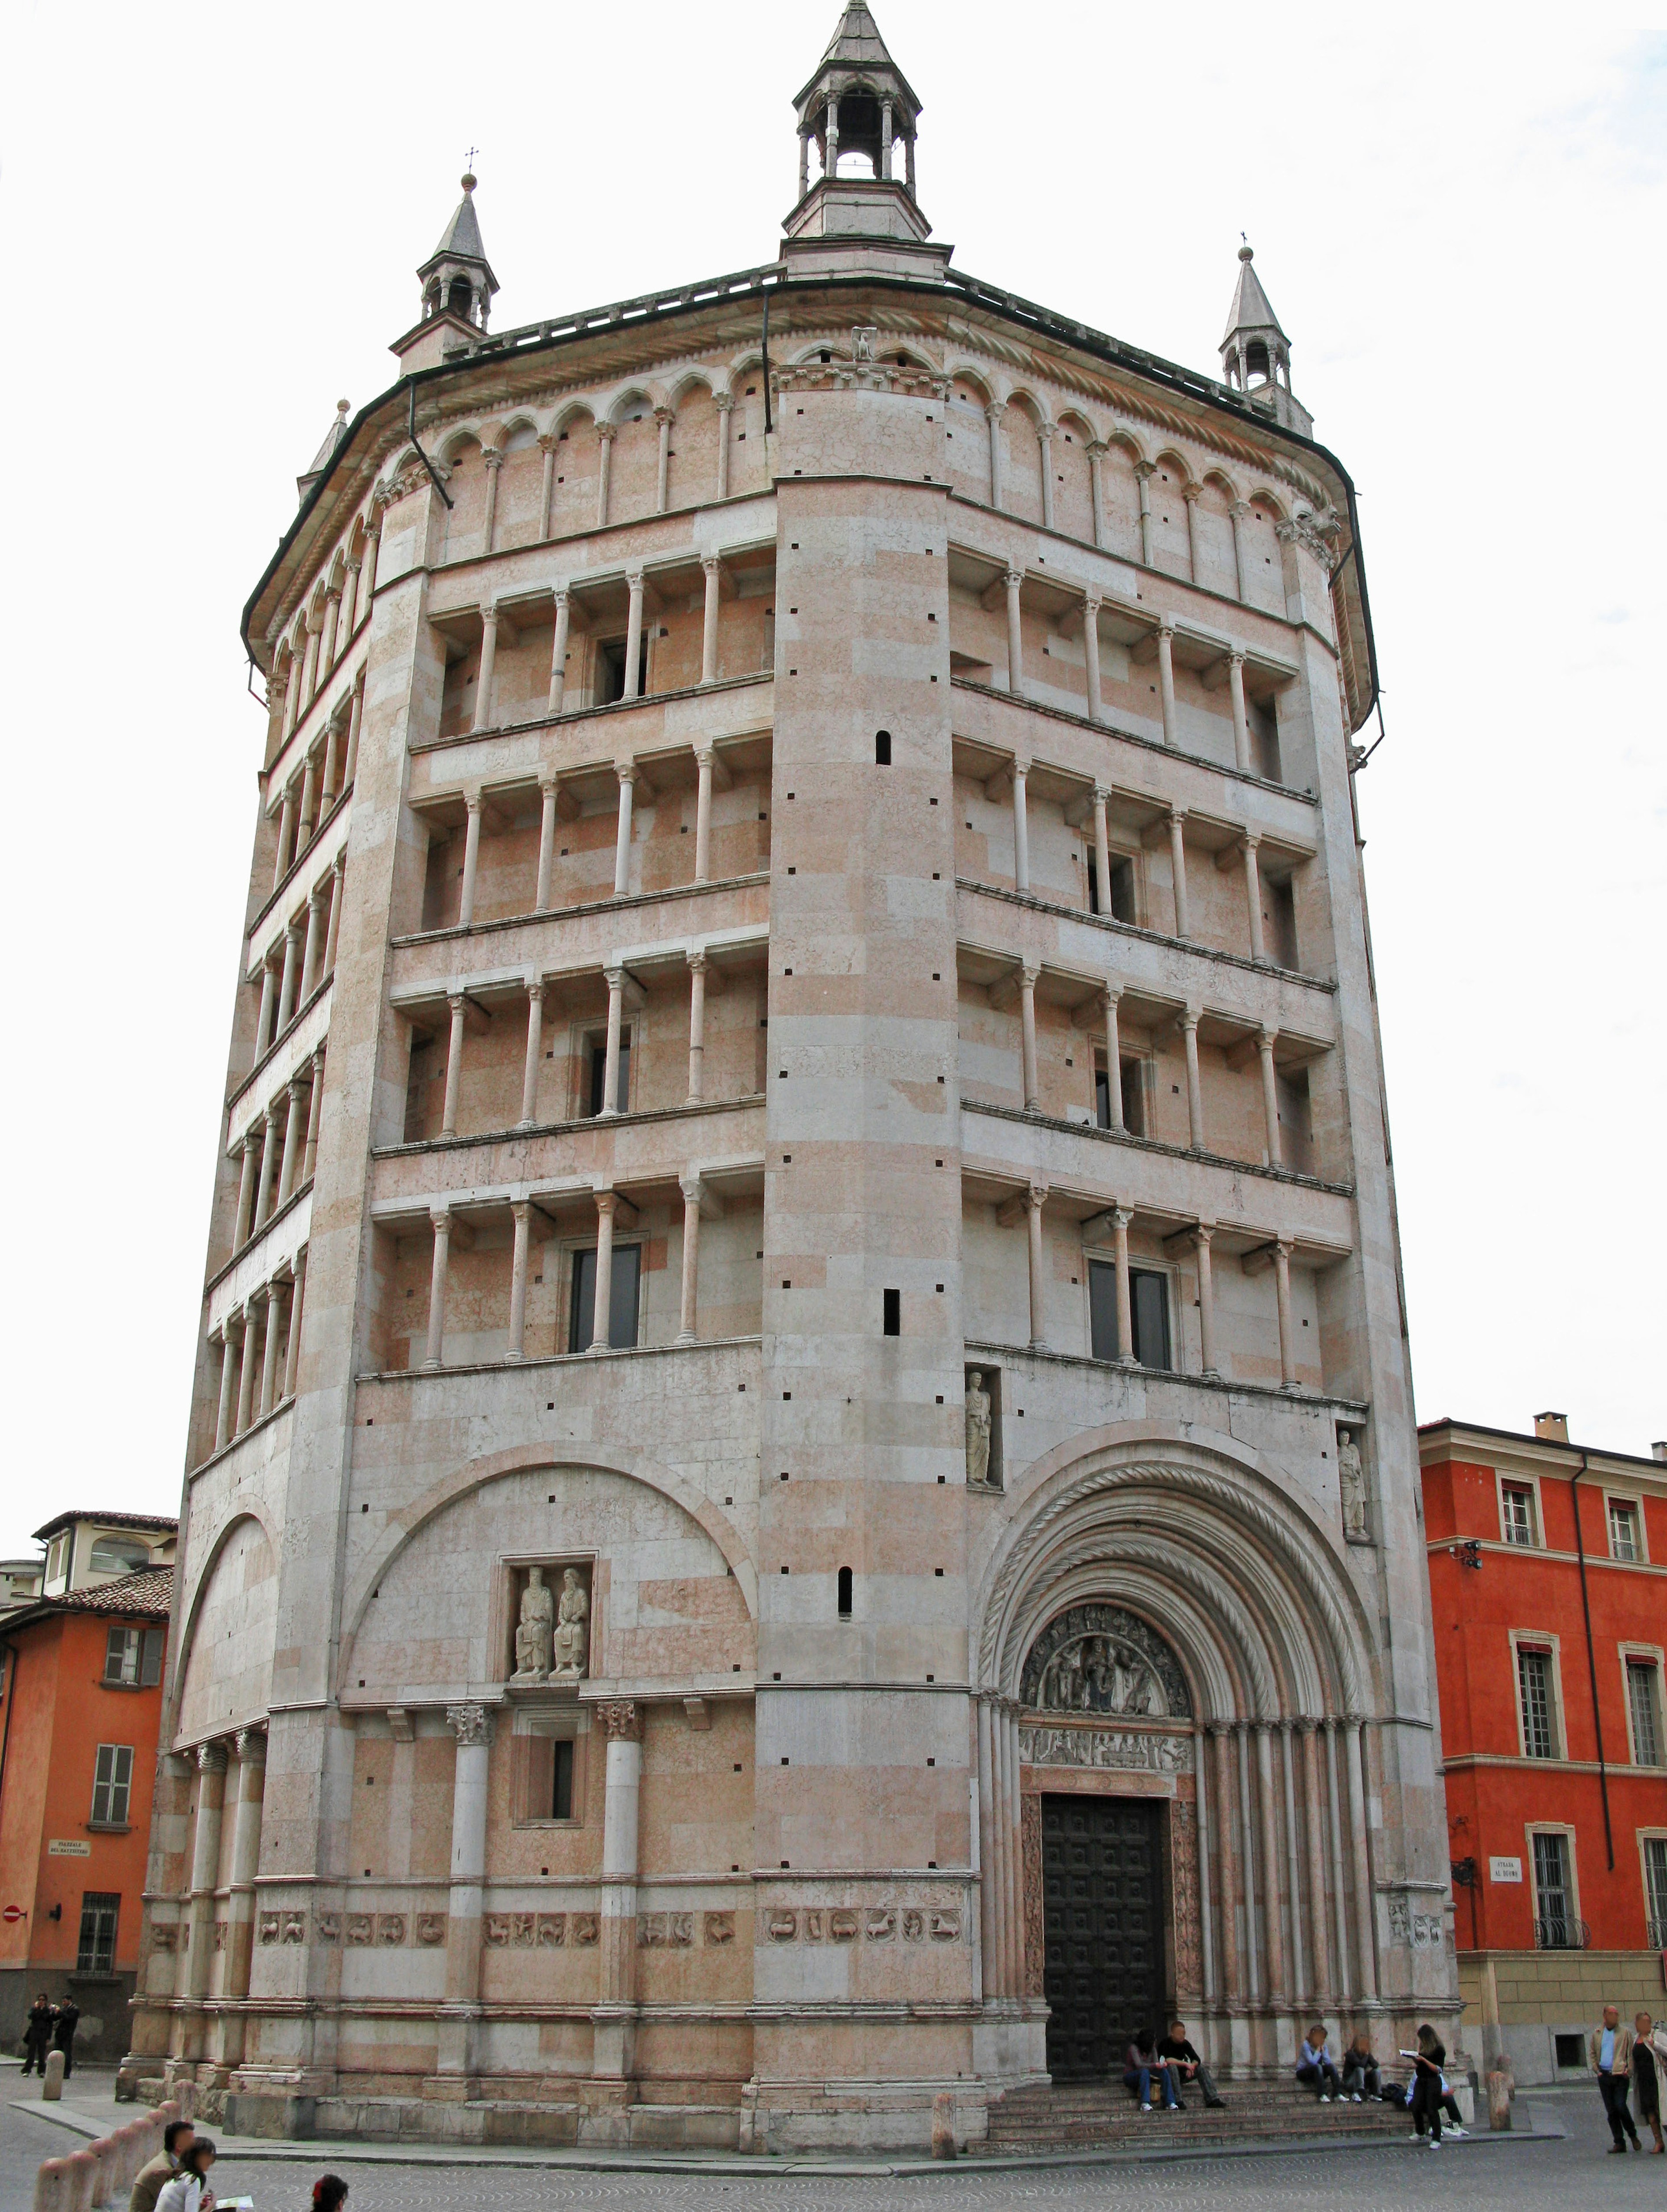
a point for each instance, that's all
(1239, 510)
(493, 620)
(323, 775)
(1197, 1237)
(1163, 647)
(1246, 848)
(1001, 1829)
(704, 981)
(194, 1956)
(249, 1339)
(614, 1210)
(330, 627)
(289, 978)
(280, 1151)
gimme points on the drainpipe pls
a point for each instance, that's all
(1591, 1659)
(10, 1650)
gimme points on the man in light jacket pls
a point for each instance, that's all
(1610, 2049)
(150, 2180)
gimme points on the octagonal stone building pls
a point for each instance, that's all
(806, 950)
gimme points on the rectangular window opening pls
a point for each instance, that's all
(622, 1299)
(1655, 1883)
(892, 1323)
(1623, 1531)
(1555, 1928)
(1643, 1703)
(95, 1951)
(1533, 1681)
(112, 1783)
(561, 1798)
(596, 1046)
(1518, 1505)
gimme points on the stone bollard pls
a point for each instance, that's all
(133, 2142)
(78, 2188)
(51, 2186)
(943, 2125)
(102, 2150)
(51, 2082)
(1501, 2088)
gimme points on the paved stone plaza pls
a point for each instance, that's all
(1522, 2174)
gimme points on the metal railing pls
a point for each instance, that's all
(1558, 1931)
(1657, 1931)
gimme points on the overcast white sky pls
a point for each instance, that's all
(211, 218)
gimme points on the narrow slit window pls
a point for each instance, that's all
(561, 1795)
(846, 1582)
(893, 1323)
(883, 748)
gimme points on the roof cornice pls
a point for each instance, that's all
(1440, 1439)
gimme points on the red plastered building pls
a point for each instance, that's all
(1548, 1589)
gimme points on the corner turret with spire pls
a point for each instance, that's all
(1255, 353)
(859, 108)
(458, 287)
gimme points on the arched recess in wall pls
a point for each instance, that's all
(520, 484)
(1212, 535)
(1021, 484)
(692, 468)
(634, 478)
(228, 1636)
(1264, 565)
(1074, 496)
(1121, 493)
(672, 1586)
(967, 427)
(747, 465)
(465, 485)
(1172, 547)
(578, 455)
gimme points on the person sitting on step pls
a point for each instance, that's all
(1316, 2066)
(1142, 2067)
(1184, 2063)
(1361, 2076)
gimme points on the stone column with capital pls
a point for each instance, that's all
(1144, 472)
(1241, 716)
(725, 403)
(1021, 826)
(634, 588)
(663, 472)
(286, 831)
(249, 1363)
(1202, 1234)
(521, 1212)
(1239, 513)
(373, 549)
(245, 1864)
(355, 714)
(315, 1115)
(1035, 1199)
(602, 1305)
(621, 842)
(292, 1347)
(1256, 1987)
(689, 1314)
(1190, 493)
(246, 1190)
(1014, 581)
(1360, 1839)
(712, 569)
(291, 973)
(1045, 440)
(351, 605)
(535, 1046)
(615, 979)
(1102, 852)
(1188, 1027)
(271, 1152)
(1091, 654)
(1300, 1983)
(1253, 897)
(1272, 1149)
(1178, 870)
(1098, 450)
(273, 1294)
(1028, 975)
(204, 1879)
(1287, 1347)
(458, 1006)
(488, 661)
(226, 1410)
(1330, 1727)
(1110, 997)
(558, 649)
(333, 937)
(550, 790)
(1166, 679)
(1227, 1860)
(998, 489)
(547, 445)
(606, 434)
(460, 2015)
(492, 457)
(1275, 1990)
(614, 2031)
(439, 1220)
(1121, 1216)
(264, 1029)
(473, 803)
(696, 1025)
(1314, 1833)
(703, 761)
(293, 1139)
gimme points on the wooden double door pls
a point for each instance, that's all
(1102, 1913)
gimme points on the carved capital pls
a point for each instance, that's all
(252, 1746)
(723, 401)
(664, 416)
(995, 410)
(469, 1724)
(1314, 532)
(620, 1719)
(607, 432)
(1146, 469)
(493, 456)
(212, 1758)
(1190, 491)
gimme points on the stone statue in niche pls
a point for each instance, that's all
(978, 1420)
(571, 1651)
(1352, 1488)
(534, 1632)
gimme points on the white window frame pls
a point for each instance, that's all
(1538, 1640)
(1554, 1828)
(1646, 1837)
(1634, 1505)
(1649, 1654)
(1531, 1483)
(114, 1778)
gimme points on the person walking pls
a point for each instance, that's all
(1317, 2068)
(150, 2180)
(1610, 2049)
(1427, 2062)
(1184, 2063)
(1362, 2073)
(1649, 2056)
(38, 2035)
(1142, 2067)
(189, 2189)
(329, 2193)
(65, 2020)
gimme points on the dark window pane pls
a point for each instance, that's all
(150, 1665)
(95, 1951)
(1093, 886)
(1122, 892)
(1133, 1098)
(581, 1308)
(1148, 1298)
(1102, 1310)
(1102, 1098)
(621, 1305)
(560, 1806)
(599, 1072)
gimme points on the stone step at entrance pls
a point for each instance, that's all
(1090, 2116)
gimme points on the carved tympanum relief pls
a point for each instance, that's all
(1102, 1659)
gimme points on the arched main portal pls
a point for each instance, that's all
(1174, 1681)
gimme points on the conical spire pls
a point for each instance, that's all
(857, 44)
(457, 278)
(1255, 353)
(332, 438)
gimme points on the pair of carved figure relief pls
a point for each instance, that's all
(1101, 1659)
(552, 1639)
